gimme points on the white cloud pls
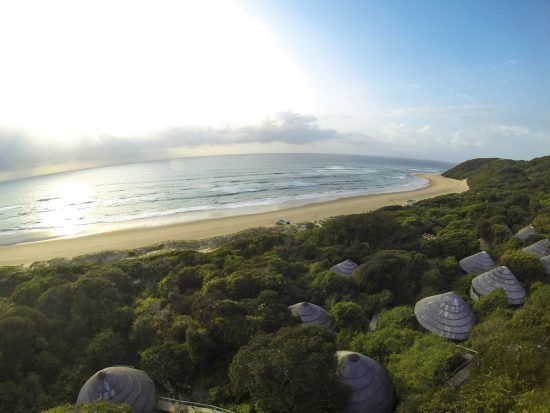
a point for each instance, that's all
(516, 130)
(20, 150)
(424, 130)
(440, 111)
(456, 137)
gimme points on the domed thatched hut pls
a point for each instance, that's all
(526, 232)
(477, 263)
(372, 391)
(312, 314)
(546, 263)
(120, 385)
(344, 268)
(541, 248)
(500, 277)
(446, 315)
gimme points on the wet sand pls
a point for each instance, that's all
(140, 237)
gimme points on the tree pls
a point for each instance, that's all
(525, 266)
(380, 344)
(327, 284)
(18, 339)
(457, 243)
(348, 315)
(496, 299)
(168, 363)
(397, 271)
(426, 364)
(99, 406)
(397, 317)
(106, 349)
(293, 370)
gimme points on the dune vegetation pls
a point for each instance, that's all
(214, 326)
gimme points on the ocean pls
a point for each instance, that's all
(179, 190)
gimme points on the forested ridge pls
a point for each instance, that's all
(214, 326)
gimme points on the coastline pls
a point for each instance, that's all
(126, 239)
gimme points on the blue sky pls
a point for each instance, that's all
(449, 80)
(496, 50)
(468, 69)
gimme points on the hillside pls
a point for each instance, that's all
(214, 326)
(467, 168)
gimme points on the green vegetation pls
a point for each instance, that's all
(192, 319)
(99, 406)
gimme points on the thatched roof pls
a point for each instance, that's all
(345, 267)
(446, 315)
(120, 385)
(541, 248)
(526, 232)
(372, 391)
(546, 263)
(478, 263)
(312, 314)
(500, 277)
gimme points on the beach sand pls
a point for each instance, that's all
(141, 237)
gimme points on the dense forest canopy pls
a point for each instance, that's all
(214, 326)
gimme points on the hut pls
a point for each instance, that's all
(312, 314)
(372, 391)
(500, 277)
(446, 315)
(120, 385)
(526, 232)
(478, 263)
(541, 248)
(344, 268)
(546, 262)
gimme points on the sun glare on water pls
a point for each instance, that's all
(65, 208)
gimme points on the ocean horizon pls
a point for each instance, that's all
(163, 192)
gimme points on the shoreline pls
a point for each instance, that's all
(163, 220)
(127, 239)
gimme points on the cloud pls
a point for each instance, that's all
(426, 129)
(442, 132)
(19, 151)
(286, 127)
(516, 130)
(441, 111)
(396, 133)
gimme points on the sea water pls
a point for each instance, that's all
(168, 191)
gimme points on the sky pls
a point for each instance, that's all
(87, 83)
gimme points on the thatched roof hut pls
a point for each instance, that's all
(446, 315)
(500, 277)
(120, 385)
(477, 263)
(372, 391)
(541, 248)
(344, 268)
(526, 232)
(546, 262)
(312, 314)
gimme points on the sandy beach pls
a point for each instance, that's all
(140, 237)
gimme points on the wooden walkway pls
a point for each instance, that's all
(168, 404)
(461, 373)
